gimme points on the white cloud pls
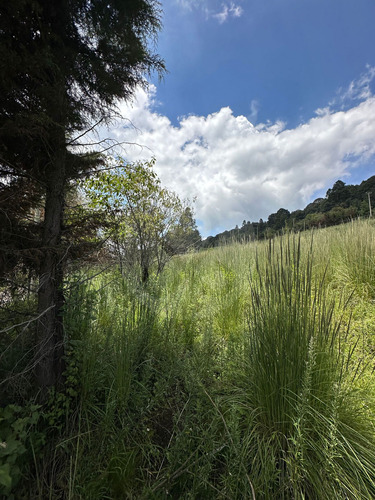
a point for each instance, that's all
(189, 4)
(240, 171)
(358, 90)
(223, 15)
(254, 109)
(228, 10)
(209, 9)
(323, 111)
(236, 10)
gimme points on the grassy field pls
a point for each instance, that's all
(242, 372)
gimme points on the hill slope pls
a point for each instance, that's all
(341, 203)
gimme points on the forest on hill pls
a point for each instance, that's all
(342, 203)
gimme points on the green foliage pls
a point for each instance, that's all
(65, 65)
(145, 222)
(184, 236)
(19, 441)
(356, 259)
(278, 220)
(63, 403)
(241, 372)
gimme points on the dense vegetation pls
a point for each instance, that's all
(341, 204)
(142, 223)
(64, 66)
(240, 372)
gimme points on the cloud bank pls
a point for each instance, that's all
(240, 171)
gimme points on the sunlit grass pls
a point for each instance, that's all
(241, 372)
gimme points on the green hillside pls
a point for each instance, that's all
(342, 203)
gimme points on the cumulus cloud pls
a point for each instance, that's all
(237, 170)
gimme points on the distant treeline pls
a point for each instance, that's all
(341, 203)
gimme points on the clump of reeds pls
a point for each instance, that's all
(355, 254)
(308, 434)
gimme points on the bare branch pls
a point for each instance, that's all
(70, 143)
(25, 324)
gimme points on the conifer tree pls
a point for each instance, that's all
(63, 66)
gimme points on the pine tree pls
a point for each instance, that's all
(63, 65)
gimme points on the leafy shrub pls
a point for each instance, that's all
(20, 441)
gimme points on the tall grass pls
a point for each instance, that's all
(234, 375)
(356, 256)
(306, 425)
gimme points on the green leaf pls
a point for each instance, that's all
(5, 478)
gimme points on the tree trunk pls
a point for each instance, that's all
(49, 342)
(145, 273)
(50, 295)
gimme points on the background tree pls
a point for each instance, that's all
(63, 65)
(144, 223)
(337, 194)
(278, 220)
(184, 236)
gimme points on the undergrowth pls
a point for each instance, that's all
(241, 372)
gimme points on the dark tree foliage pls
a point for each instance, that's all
(278, 220)
(63, 65)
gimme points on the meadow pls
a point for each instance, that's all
(245, 371)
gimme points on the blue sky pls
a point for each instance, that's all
(288, 57)
(265, 104)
